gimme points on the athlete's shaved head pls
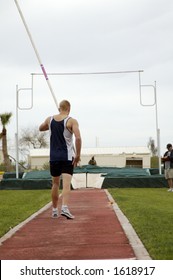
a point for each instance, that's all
(64, 105)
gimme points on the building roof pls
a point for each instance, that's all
(98, 151)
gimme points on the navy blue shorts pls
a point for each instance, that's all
(59, 167)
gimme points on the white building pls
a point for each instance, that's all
(113, 157)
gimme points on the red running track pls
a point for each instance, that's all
(95, 233)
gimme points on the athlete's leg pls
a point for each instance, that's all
(65, 196)
(66, 188)
(55, 191)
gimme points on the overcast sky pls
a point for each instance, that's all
(91, 36)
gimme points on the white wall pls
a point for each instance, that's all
(105, 160)
(115, 160)
(38, 162)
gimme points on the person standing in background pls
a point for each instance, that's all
(168, 166)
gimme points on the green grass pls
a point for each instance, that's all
(150, 211)
(16, 206)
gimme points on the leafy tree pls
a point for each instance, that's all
(5, 119)
(33, 139)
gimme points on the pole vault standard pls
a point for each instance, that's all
(36, 52)
(157, 124)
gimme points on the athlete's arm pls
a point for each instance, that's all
(45, 125)
(78, 140)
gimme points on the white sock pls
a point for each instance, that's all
(55, 209)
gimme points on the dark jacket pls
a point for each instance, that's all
(170, 158)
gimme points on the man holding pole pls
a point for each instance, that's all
(63, 155)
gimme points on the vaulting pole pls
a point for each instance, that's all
(36, 52)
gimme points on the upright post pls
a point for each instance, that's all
(158, 131)
(16, 136)
(18, 107)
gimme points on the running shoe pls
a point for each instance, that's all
(54, 213)
(66, 213)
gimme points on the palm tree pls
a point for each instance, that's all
(5, 119)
